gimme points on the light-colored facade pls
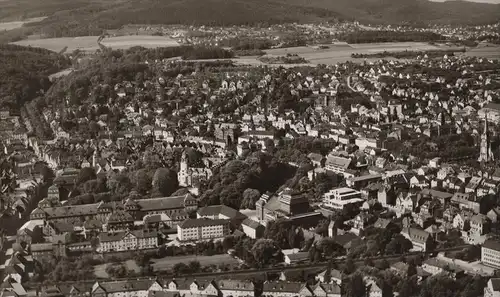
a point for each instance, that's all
(127, 241)
(490, 253)
(200, 229)
(492, 288)
(340, 197)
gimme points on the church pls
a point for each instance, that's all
(485, 152)
(192, 177)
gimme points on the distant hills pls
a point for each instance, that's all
(90, 17)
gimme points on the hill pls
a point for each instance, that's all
(90, 17)
(24, 73)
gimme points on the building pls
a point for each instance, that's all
(285, 289)
(490, 253)
(236, 288)
(220, 212)
(121, 288)
(252, 228)
(485, 152)
(337, 164)
(296, 258)
(340, 197)
(189, 176)
(492, 288)
(420, 239)
(335, 277)
(200, 229)
(127, 241)
(287, 204)
(359, 182)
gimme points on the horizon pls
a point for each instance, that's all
(476, 1)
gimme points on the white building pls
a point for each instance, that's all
(492, 288)
(200, 229)
(490, 253)
(340, 197)
(127, 241)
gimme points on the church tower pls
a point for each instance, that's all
(485, 153)
(184, 162)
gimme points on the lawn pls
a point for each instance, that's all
(168, 263)
(100, 270)
(89, 43)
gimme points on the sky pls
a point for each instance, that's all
(482, 1)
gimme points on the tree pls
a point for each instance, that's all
(164, 181)
(355, 286)
(142, 181)
(250, 196)
(328, 272)
(266, 251)
(412, 269)
(86, 174)
(349, 266)
(398, 245)
(194, 266)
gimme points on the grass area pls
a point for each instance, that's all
(100, 270)
(89, 43)
(168, 263)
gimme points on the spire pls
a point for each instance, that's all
(485, 123)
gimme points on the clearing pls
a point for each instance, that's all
(169, 262)
(89, 43)
(6, 26)
(100, 270)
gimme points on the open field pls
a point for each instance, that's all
(89, 43)
(100, 270)
(169, 262)
(342, 53)
(18, 24)
(490, 51)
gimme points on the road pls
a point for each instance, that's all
(271, 269)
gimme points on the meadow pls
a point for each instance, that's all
(168, 263)
(89, 43)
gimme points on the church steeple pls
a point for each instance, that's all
(485, 153)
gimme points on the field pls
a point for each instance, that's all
(100, 270)
(89, 43)
(490, 51)
(342, 53)
(18, 24)
(169, 262)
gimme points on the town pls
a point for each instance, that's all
(161, 177)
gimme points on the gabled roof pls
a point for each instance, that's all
(235, 285)
(281, 286)
(492, 244)
(215, 210)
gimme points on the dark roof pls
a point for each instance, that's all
(251, 223)
(495, 284)
(117, 236)
(215, 210)
(492, 244)
(281, 286)
(194, 223)
(235, 285)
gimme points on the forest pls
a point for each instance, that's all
(24, 73)
(86, 17)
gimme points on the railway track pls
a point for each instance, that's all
(279, 269)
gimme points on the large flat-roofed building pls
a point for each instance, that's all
(340, 197)
(490, 253)
(200, 229)
(287, 204)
